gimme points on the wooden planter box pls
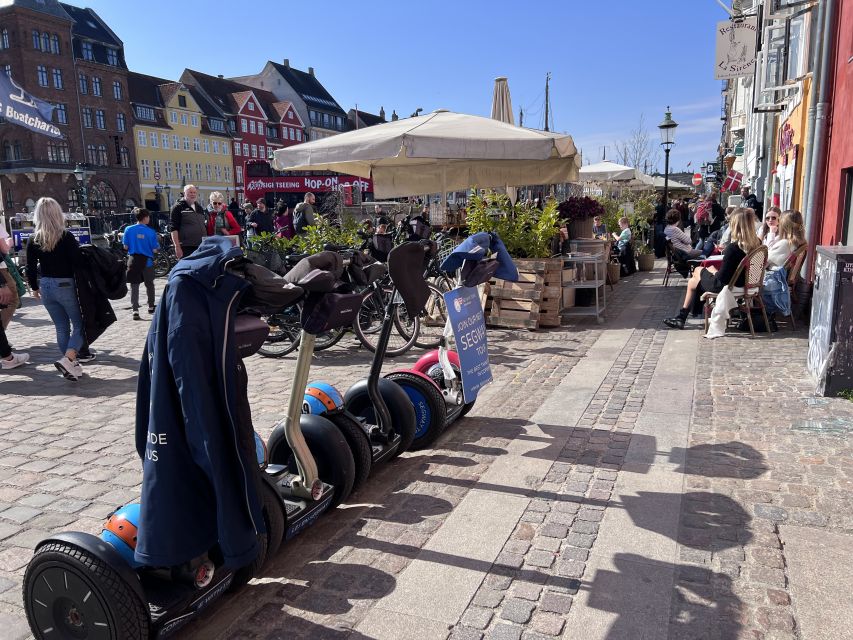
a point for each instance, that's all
(532, 302)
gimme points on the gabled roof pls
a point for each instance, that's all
(370, 119)
(309, 89)
(143, 89)
(281, 109)
(88, 24)
(50, 7)
(220, 90)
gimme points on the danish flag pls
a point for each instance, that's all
(732, 181)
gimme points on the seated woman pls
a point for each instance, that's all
(768, 232)
(711, 279)
(790, 236)
(599, 229)
(680, 239)
(624, 248)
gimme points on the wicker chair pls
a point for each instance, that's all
(793, 265)
(747, 296)
(672, 265)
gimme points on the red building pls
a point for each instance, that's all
(837, 220)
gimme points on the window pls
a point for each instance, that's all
(198, 170)
(8, 69)
(175, 142)
(87, 117)
(165, 140)
(121, 124)
(17, 151)
(194, 121)
(291, 133)
(118, 94)
(61, 113)
(188, 171)
(112, 57)
(84, 83)
(206, 145)
(262, 151)
(298, 135)
(237, 149)
(271, 132)
(179, 170)
(42, 75)
(173, 117)
(96, 86)
(208, 172)
(4, 38)
(243, 126)
(91, 154)
(225, 149)
(102, 196)
(100, 119)
(184, 119)
(218, 173)
(216, 146)
(232, 126)
(156, 167)
(245, 149)
(252, 126)
(239, 175)
(146, 169)
(54, 44)
(168, 169)
(155, 140)
(339, 121)
(312, 116)
(216, 125)
(45, 42)
(36, 40)
(57, 151)
(146, 113)
(196, 144)
(57, 79)
(182, 101)
(186, 143)
(88, 54)
(326, 121)
(251, 106)
(125, 157)
(227, 174)
(254, 151)
(142, 139)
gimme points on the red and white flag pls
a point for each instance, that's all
(732, 181)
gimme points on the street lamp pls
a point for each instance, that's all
(667, 139)
(157, 191)
(80, 175)
(168, 191)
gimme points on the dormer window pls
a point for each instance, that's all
(182, 101)
(88, 54)
(112, 57)
(251, 106)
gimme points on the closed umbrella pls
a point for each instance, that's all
(502, 112)
(439, 152)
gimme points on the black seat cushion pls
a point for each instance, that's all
(406, 265)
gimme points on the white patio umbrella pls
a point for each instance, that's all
(607, 171)
(439, 152)
(502, 112)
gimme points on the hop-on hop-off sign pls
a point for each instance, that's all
(469, 329)
(20, 108)
(736, 41)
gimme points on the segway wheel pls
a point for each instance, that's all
(403, 419)
(437, 376)
(327, 444)
(70, 593)
(358, 442)
(249, 571)
(273, 519)
(430, 410)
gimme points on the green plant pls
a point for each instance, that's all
(314, 238)
(847, 394)
(526, 231)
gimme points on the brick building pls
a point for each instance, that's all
(67, 56)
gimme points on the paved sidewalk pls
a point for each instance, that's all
(615, 481)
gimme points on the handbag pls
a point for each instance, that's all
(326, 311)
(20, 285)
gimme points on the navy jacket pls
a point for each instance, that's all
(198, 484)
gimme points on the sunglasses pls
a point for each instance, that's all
(772, 218)
(217, 203)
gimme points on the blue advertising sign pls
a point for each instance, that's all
(469, 328)
(82, 234)
(20, 108)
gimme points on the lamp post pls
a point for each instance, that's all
(157, 191)
(80, 175)
(667, 139)
(168, 191)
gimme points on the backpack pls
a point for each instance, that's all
(703, 213)
(299, 221)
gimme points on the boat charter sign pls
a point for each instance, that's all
(19, 107)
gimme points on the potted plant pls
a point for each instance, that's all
(645, 257)
(579, 211)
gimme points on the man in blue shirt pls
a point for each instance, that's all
(141, 242)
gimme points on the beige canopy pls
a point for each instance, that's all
(439, 152)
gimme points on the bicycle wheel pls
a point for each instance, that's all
(433, 318)
(162, 265)
(401, 340)
(441, 282)
(329, 339)
(284, 332)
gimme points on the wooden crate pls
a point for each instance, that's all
(532, 302)
(549, 308)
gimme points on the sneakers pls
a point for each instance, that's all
(86, 357)
(151, 310)
(676, 322)
(70, 369)
(136, 315)
(16, 360)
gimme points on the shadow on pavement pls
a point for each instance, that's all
(722, 460)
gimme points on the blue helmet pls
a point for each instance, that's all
(321, 397)
(121, 530)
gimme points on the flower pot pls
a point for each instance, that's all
(646, 261)
(613, 271)
(581, 229)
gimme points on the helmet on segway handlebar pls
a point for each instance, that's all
(120, 531)
(321, 397)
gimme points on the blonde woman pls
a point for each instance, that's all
(711, 279)
(56, 251)
(790, 237)
(768, 232)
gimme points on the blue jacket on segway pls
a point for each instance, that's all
(476, 247)
(198, 485)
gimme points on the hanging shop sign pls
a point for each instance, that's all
(736, 48)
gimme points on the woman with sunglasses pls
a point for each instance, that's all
(220, 221)
(790, 236)
(769, 231)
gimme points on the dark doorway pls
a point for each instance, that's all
(847, 215)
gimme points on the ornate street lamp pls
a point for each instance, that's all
(80, 175)
(667, 139)
(168, 191)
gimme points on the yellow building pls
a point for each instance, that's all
(181, 138)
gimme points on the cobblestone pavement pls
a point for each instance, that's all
(759, 452)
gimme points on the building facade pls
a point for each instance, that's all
(180, 139)
(67, 56)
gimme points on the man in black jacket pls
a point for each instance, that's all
(187, 222)
(260, 220)
(750, 200)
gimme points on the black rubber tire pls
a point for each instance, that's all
(281, 342)
(274, 519)
(429, 405)
(114, 601)
(329, 339)
(403, 419)
(327, 444)
(400, 341)
(358, 442)
(438, 378)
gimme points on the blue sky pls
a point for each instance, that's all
(610, 60)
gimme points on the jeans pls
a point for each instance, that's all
(59, 296)
(148, 279)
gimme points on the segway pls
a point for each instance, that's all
(378, 407)
(79, 586)
(434, 383)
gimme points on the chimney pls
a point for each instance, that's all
(220, 76)
(382, 112)
(287, 62)
(394, 116)
(310, 71)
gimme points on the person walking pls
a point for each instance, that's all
(260, 220)
(8, 359)
(53, 248)
(303, 214)
(141, 243)
(187, 222)
(6, 277)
